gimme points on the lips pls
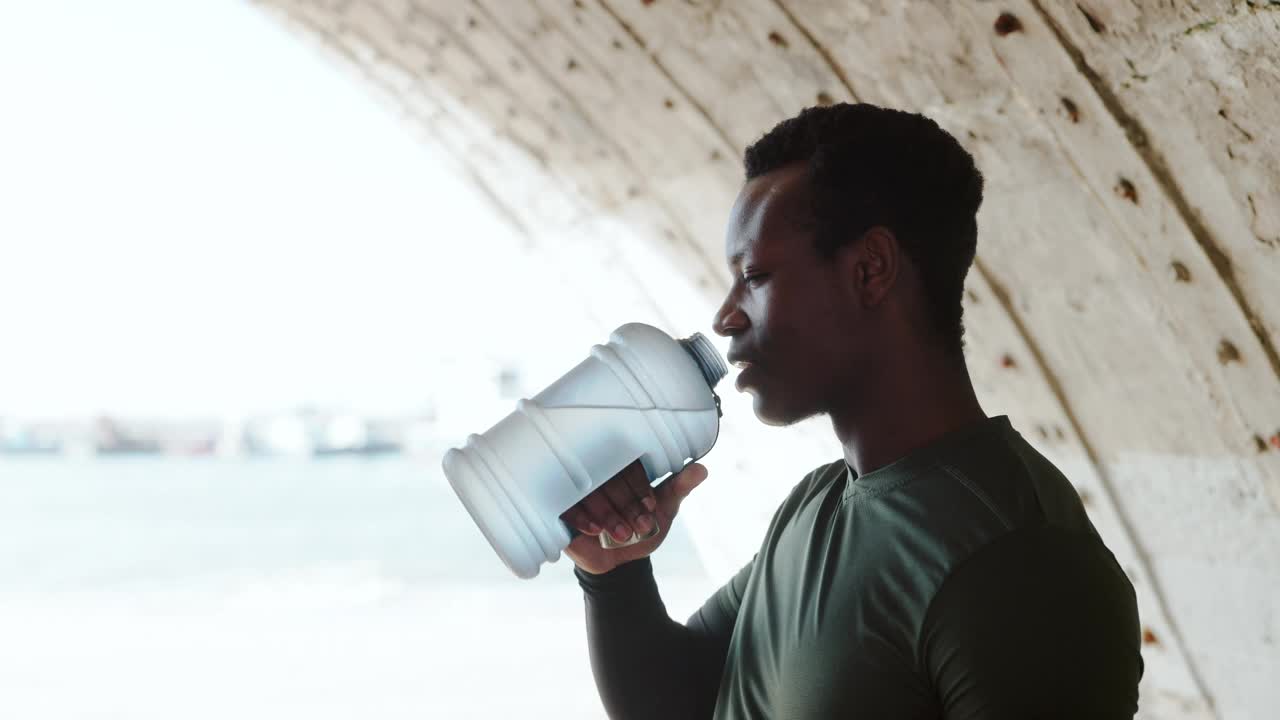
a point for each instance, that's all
(746, 369)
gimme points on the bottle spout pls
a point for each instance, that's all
(713, 366)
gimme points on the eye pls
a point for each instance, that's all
(754, 280)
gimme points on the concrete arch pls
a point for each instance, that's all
(1124, 309)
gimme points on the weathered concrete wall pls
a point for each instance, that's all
(1124, 309)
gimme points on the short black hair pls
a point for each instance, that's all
(872, 166)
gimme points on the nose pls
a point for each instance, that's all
(729, 319)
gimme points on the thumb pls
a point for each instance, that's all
(679, 486)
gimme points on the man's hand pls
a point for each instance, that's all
(623, 505)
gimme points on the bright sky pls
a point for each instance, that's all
(203, 214)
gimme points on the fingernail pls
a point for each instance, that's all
(594, 529)
(644, 524)
(620, 533)
(650, 504)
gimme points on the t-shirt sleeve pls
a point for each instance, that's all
(1041, 623)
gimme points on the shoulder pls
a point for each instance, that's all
(813, 484)
(1031, 586)
(815, 481)
(1036, 555)
(1045, 607)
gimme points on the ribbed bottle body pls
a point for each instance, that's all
(643, 394)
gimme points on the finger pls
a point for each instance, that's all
(601, 510)
(638, 480)
(626, 503)
(678, 487)
(576, 517)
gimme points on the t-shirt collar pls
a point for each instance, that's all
(913, 462)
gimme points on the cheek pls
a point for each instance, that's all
(803, 319)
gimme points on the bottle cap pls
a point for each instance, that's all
(708, 358)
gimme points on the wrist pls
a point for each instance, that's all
(625, 574)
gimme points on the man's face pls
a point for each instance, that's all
(786, 312)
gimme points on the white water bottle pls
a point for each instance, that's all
(642, 395)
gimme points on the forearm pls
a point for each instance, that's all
(647, 665)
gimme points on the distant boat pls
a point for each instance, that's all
(112, 439)
(370, 448)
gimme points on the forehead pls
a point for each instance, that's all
(769, 210)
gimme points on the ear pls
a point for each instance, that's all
(871, 265)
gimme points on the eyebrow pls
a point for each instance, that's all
(735, 259)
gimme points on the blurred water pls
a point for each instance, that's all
(149, 588)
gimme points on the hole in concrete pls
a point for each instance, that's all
(578, 5)
(1259, 443)
(715, 155)
(1148, 637)
(668, 103)
(1222, 113)
(1044, 434)
(571, 65)
(824, 98)
(776, 38)
(1180, 272)
(1126, 190)
(472, 24)
(1007, 23)
(1094, 23)
(1006, 361)
(1057, 431)
(1073, 112)
(617, 44)
(1227, 352)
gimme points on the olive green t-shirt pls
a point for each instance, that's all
(963, 580)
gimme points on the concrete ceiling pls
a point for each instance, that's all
(1124, 309)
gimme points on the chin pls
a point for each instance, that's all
(776, 416)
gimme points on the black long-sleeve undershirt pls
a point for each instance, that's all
(647, 665)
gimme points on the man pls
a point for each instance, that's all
(943, 568)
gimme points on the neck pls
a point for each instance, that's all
(904, 407)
